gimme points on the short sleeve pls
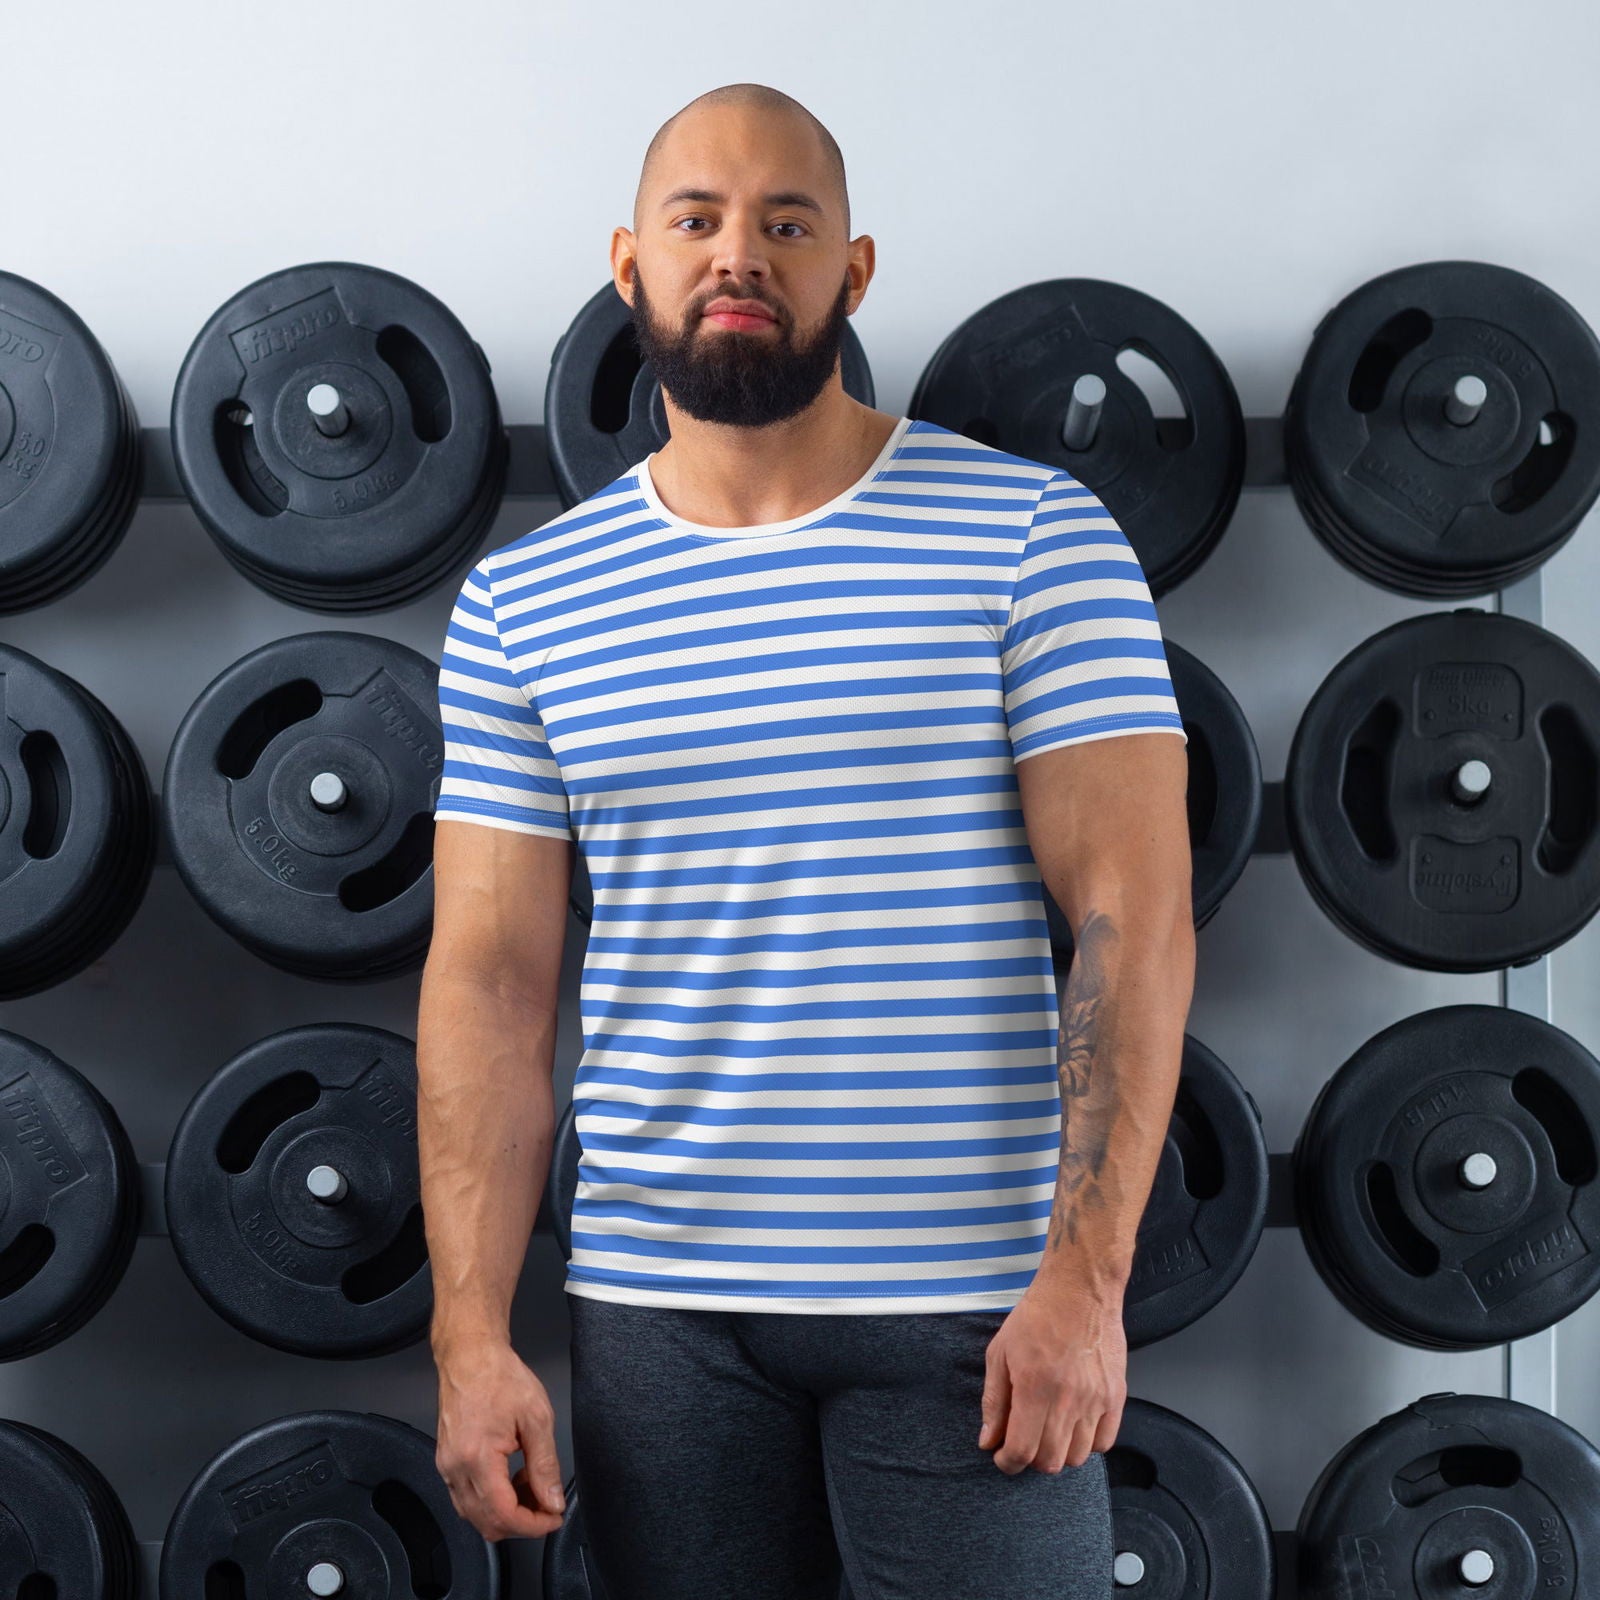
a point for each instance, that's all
(1082, 656)
(498, 768)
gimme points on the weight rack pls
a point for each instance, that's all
(1529, 1368)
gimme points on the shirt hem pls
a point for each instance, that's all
(745, 1300)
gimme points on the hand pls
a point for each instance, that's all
(1056, 1381)
(490, 1405)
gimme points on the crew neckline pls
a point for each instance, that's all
(757, 530)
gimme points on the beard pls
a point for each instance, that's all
(741, 380)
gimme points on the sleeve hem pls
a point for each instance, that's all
(1069, 736)
(451, 813)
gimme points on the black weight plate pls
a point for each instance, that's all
(63, 1531)
(352, 1493)
(602, 405)
(1224, 792)
(400, 497)
(1392, 1220)
(561, 1189)
(1367, 563)
(1224, 795)
(1380, 838)
(567, 1569)
(336, 1270)
(1005, 377)
(1207, 1205)
(69, 458)
(1187, 1523)
(342, 893)
(69, 1198)
(1397, 490)
(1452, 1479)
(77, 827)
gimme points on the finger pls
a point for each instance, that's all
(543, 1465)
(1055, 1443)
(1105, 1435)
(498, 1513)
(548, 1521)
(996, 1397)
(1082, 1441)
(1029, 1412)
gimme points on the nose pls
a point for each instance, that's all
(740, 248)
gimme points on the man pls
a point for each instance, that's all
(822, 692)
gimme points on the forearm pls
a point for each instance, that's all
(1119, 1048)
(485, 1128)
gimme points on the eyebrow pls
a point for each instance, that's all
(787, 197)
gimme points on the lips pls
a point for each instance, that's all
(745, 309)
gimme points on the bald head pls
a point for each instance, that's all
(789, 119)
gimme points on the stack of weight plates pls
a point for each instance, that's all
(77, 826)
(72, 1201)
(298, 803)
(1397, 488)
(70, 441)
(68, 1535)
(1008, 377)
(1445, 1178)
(372, 505)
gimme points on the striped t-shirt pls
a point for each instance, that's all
(818, 1003)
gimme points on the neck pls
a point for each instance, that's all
(725, 477)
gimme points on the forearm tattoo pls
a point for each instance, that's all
(1088, 1082)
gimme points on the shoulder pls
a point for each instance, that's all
(569, 535)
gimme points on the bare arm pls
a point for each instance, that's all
(1108, 826)
(486, 1033)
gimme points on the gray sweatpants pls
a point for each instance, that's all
(738, 1455)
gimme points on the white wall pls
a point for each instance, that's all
(1248, 163)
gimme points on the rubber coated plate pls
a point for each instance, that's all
(1187, 1523)
(63, 1531)
(1207, 1205)
(298, 801)
(326, 1502)
(77, 827)
(1456, 1495)
(292, 1192)
(69, 448)
(1403, 493)
(1224, 791)
(392, 501)
(568, 1571)
(562, 1187)
(1443, 792)
(1447, 1178)
(1005, 377)
(69, 1198)
(602, 405)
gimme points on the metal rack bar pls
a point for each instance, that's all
(1530, 1364)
